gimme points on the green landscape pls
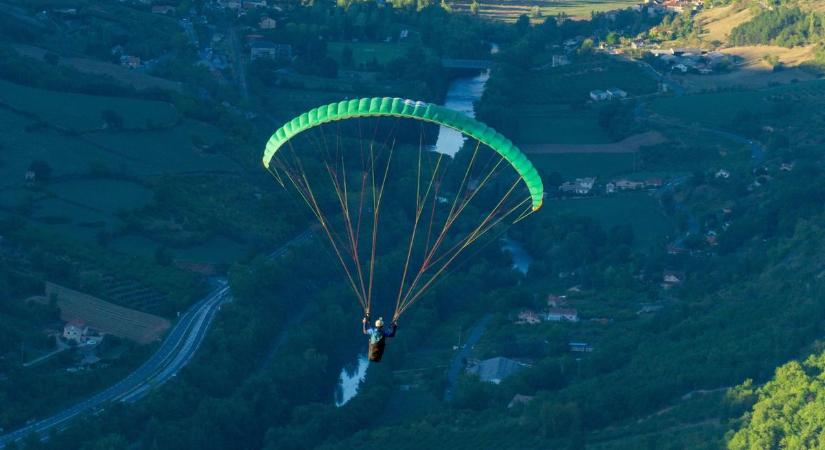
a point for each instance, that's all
(579, 224)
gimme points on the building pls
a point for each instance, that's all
(494, 370)
(580, 186)
(556, 301)
(75, 330)
(132, 62)
(269, 50)
(628, 185)
(598, 95)
(722, 173)
(560, 60)
(670, 277)
(267, 23)
(580, 347)
(616, 94)
(31, 176)
(519, 399)
(528, 317)
(562, 315)
(609, 188)
(163, 9)
(252, 4)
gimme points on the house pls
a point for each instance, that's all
(581, 186)
(252, 4)
(132, 62)
(560, 60)
(31, 177)
(562, 315)
(786, 167)
(598, 95)
(616, 94)
(609, 188)
(628, 185)
(722, 173)
(494, 370)
(670, 277)
(267, 23)
(266, 49)
(681, 67)
(556, 301)
(581, 347)
(528, 317)
(163, 9)
(710, 237)
(653, 182)
(75, 330)
(519, 399)
(647, 309)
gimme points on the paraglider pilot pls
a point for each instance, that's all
(378, 337)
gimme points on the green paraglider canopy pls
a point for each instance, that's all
(448, 204)
(428, 112)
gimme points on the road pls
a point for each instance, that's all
(458, 360)
(237, 62)
(174, 353)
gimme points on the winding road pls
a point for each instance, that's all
(174, 353)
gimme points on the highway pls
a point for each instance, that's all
(174, 353)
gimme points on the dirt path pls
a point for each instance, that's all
(630, 144)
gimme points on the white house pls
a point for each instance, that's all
(616, 93)
(562, 314)
(75, 330)
(598, 95)
(267, 23)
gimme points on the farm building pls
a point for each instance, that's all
(494, 370)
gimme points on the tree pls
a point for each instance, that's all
(612, 38)
(474, 6)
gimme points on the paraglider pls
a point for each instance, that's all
(352, 160)
(377, 337)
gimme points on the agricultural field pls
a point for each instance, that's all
(509, 11)
(719, 21)
(720, 109)
(572, 165)
(365, 52)
(573, 83)
(107, 317)
(558, 124)
(79, 112)
(640, 210)
(182, 149)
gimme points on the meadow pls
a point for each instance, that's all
(365, 52)
(79, 112)
(558, 124)
(640, 210)
(572, 165)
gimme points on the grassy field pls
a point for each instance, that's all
(639, 210)
(107, 317)
(719, 109)
(510, 10)
(573, 83)
(558, 124)
(571, 165)
(364, 52)
(168, 150)
(80, 112)
(110, 195)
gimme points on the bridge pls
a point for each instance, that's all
(478, 64)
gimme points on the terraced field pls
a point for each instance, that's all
(107, 317)
(510, 10)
